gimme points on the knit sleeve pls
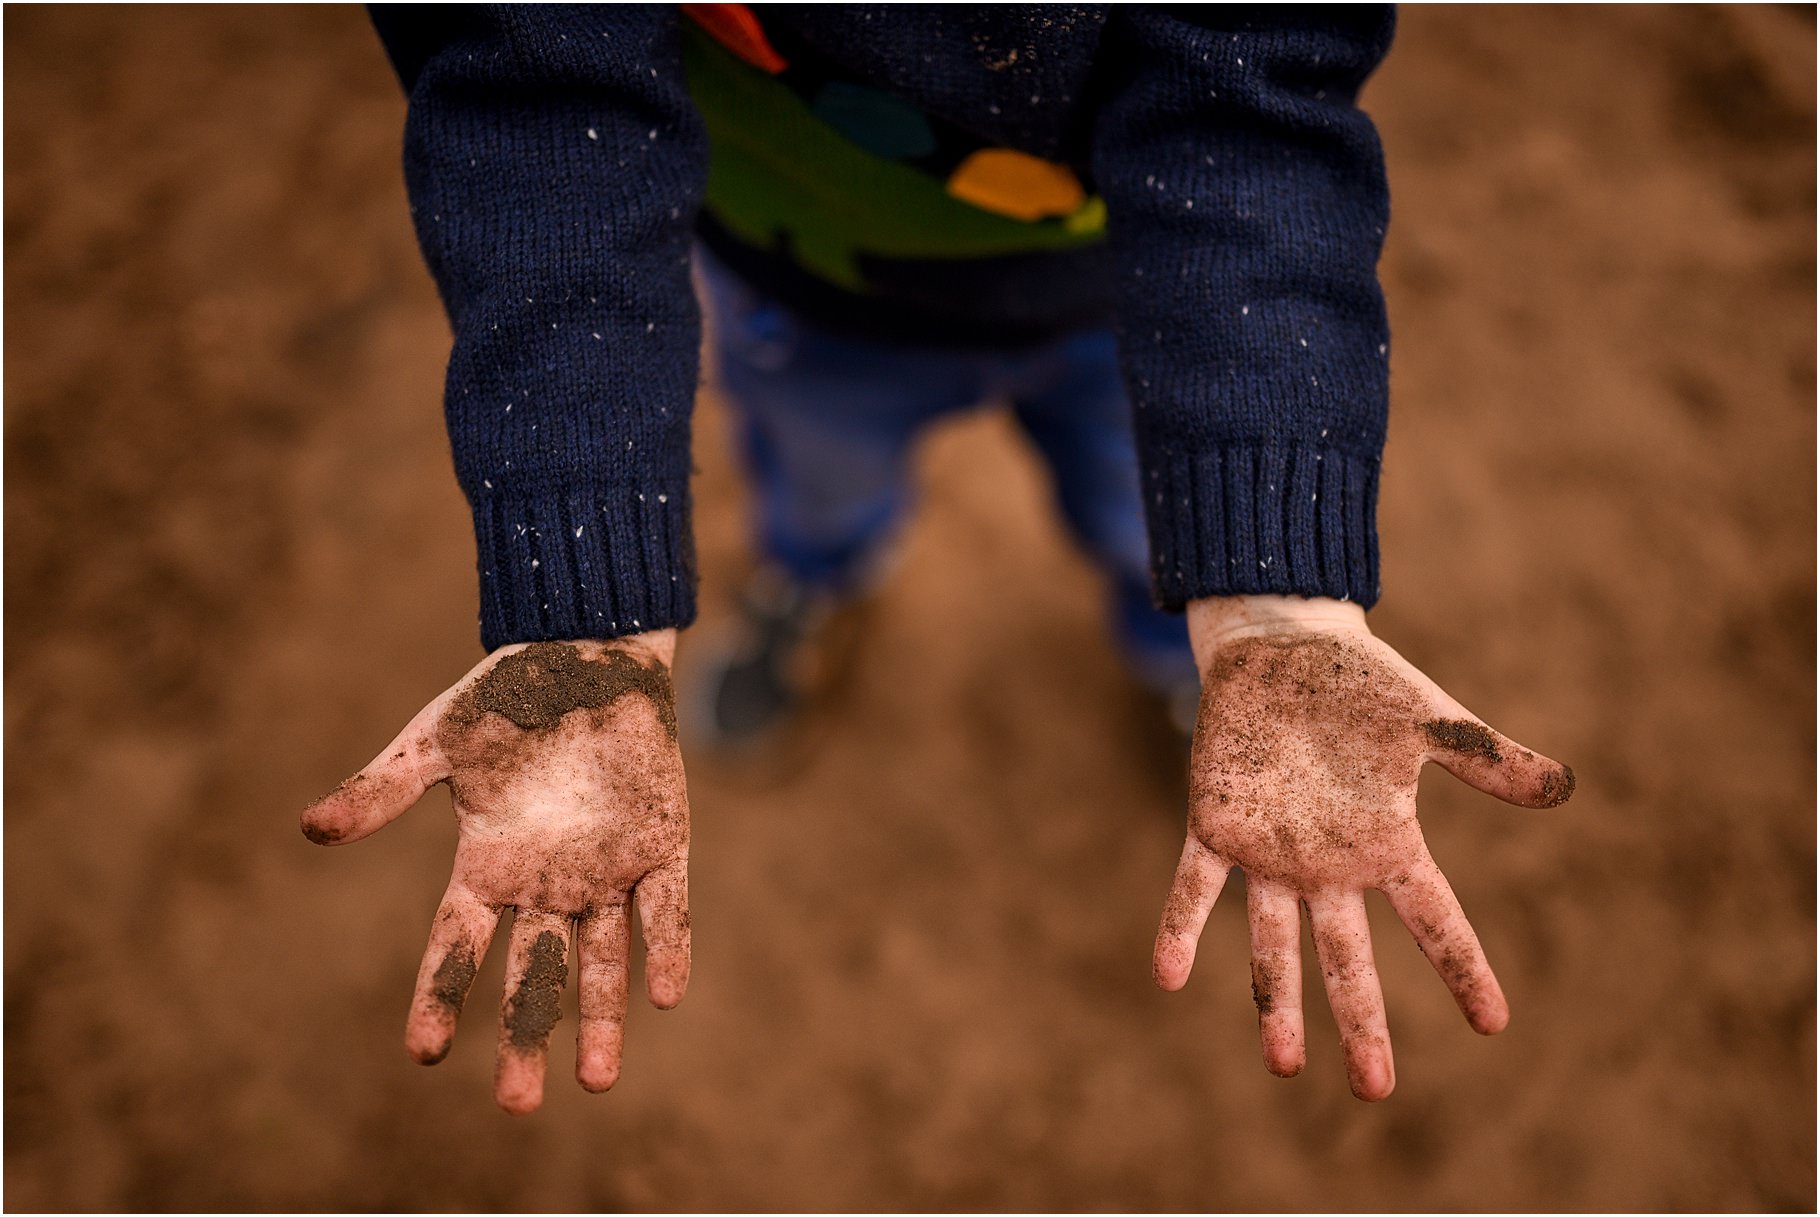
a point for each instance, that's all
(1246, 205)
(555, 164)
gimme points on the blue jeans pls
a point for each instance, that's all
(826, 423)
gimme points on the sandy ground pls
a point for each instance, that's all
(237, 562)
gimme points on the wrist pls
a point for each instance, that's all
(660, 644)
(1215, 620)
(652, 644)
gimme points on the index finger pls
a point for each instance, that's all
(537, 968)
(1342, 940)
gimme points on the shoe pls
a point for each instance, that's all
(773, 662)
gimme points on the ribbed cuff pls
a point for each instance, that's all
(1264, 520)
(583, 562)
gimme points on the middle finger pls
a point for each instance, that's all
(537, 967)
(1342, 940)
(1276, 974)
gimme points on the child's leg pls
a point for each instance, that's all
(1072, 403)
(825, 424)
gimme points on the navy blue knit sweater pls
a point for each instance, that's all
(556, 167)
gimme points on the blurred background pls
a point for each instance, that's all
(237, 562)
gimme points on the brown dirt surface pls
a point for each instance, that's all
(536, 1005)
(1463, 737)
(237, 562)
(454, 977)
(537, 686)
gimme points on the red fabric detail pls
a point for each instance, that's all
(735, 27)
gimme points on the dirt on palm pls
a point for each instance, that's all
(237, 563)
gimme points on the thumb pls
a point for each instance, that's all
(378, 794)
(1494, 763)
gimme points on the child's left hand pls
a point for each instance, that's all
(1310, 739)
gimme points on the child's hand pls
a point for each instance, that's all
(569, 800)
(1310, 739)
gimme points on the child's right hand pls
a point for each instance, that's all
(569, 801)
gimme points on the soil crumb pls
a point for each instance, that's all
(1467, 738)
(537, 686)
(536, 1004)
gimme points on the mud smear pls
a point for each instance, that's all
(1466, 738)
(536, 687)
(1265, 982)
(454, 977)
(1557, 787)
(536, 1004)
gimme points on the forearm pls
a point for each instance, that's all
(1247, 205)
(553, 193)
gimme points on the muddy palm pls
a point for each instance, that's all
(569, 795)
(1312, 734)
